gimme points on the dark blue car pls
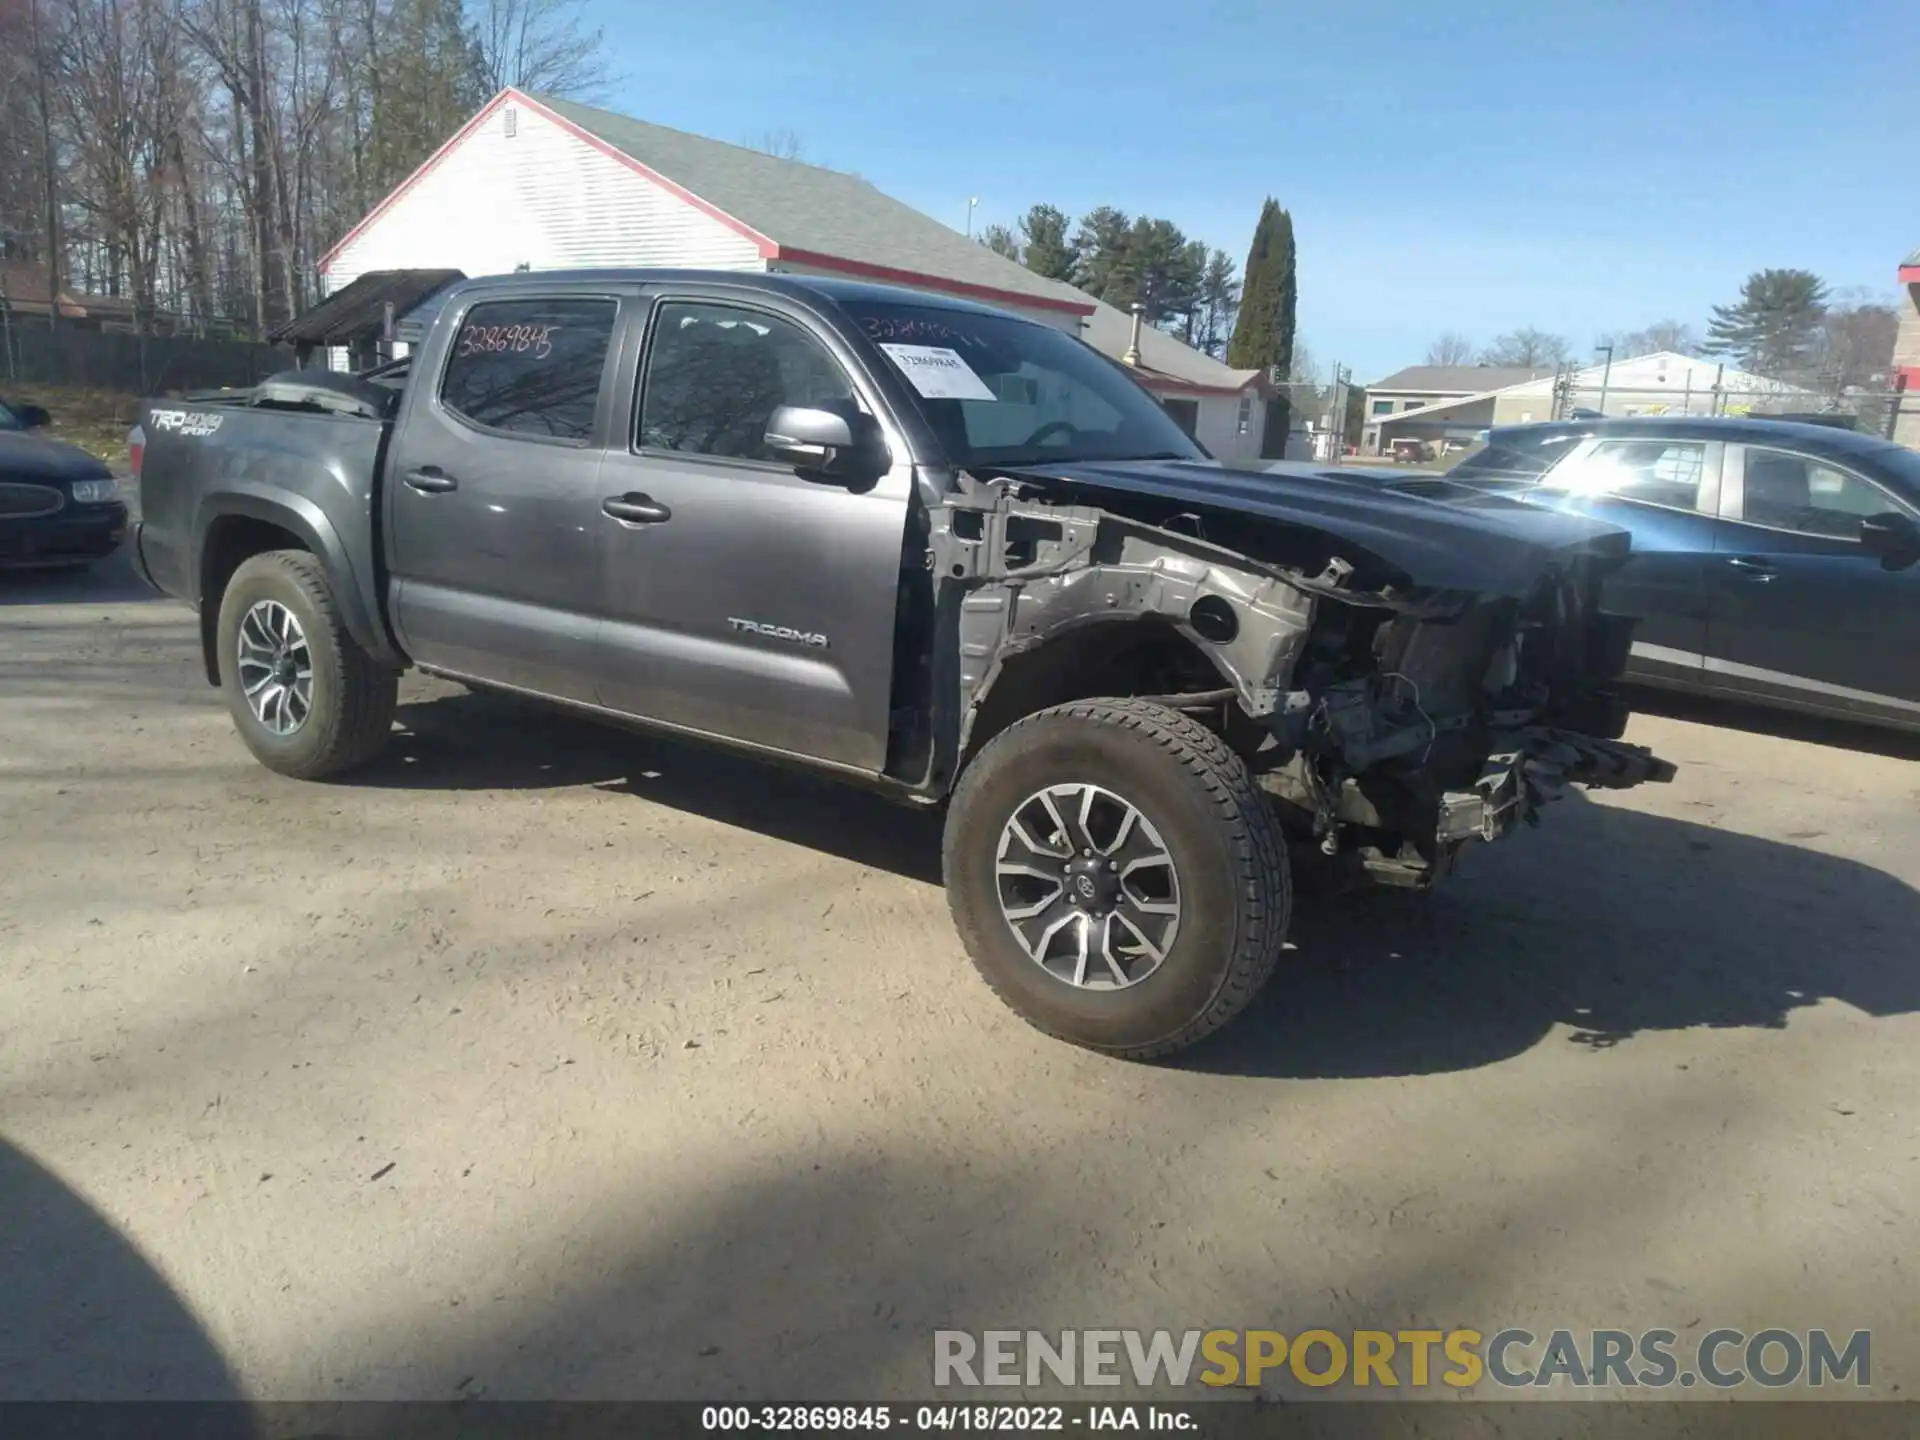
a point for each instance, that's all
(1772, 562)
(59, 506)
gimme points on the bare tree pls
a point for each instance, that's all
(539, 45)
(1530, 347)
(1857, 340)
(1000, 240)
(206, 152)
(1673, 336)
(782, 144)
(1452, 348)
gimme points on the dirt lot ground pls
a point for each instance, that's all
(550, 1061)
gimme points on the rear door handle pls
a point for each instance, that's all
(430, 480)
(1750, 569)
(636, 509)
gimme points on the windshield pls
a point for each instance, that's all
(1002, 393)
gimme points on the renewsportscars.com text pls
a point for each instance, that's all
(1459, 1359)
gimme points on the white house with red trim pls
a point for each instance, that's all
(538, 183)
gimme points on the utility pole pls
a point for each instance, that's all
(972, 201)
(1337, 416)
(1605, 375)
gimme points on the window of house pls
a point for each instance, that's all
(1381, 407)
(716, 373)
(1798, 493)
(1185, 413)
(1246, 414)
(530, 367)
(1656, 472)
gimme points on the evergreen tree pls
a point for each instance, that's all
(1263, 333)
(1100, 255)
(1043, 229)
(1774, 329)
(1269, 296)
(1219, 303)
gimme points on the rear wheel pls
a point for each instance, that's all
(1116, 876)
(307, 700)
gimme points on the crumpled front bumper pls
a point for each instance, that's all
(1531, 768)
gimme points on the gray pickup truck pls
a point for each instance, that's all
(930, 547)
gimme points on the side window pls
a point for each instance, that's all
(716, 374)
(1795, 492)
(530, 367)
(1658, 472)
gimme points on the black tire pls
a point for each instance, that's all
(1221, 833)
(353, 696)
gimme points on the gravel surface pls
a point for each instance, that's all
(544, 1060)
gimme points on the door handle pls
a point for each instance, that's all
(430, 480)
(1749, 569)
(636, 509)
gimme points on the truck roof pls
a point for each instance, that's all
(825, 287)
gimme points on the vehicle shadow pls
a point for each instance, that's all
(1607, 921)
(88, 1318)
(1784, 724)
(111, 581)
(467, 740)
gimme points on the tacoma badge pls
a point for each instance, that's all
(780, 632)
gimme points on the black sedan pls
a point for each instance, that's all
(1772, 562)
(58, 505)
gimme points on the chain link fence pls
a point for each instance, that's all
(33, 352)
(1890, 412)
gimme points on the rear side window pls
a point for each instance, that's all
(1656, 472)
(530, 367)
(1515, 458)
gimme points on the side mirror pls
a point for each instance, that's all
(32, 417)
(1892, 536)
(835, 440)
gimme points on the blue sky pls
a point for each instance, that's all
(1579, 165)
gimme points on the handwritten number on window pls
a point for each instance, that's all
(535, 341)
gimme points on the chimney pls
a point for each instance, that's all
(1132, 357)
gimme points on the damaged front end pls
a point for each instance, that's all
(1391, 722)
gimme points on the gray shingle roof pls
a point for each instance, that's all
(1913, 259)
(1109, 330)
(810, 208)
(1460, 379)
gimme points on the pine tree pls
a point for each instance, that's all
(1044, 231)
(1100, 255)
(1263, 334)
(1269, 295)
(1774, 328)
(1219, 303)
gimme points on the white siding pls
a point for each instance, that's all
(542, 198)
(1218, 428)
(1059, 319)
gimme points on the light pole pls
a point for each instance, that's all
(972, 200)
(1606, 374)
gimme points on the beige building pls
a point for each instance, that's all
(1664, 383)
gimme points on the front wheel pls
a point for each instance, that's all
(1116, 876)
(306, 699)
